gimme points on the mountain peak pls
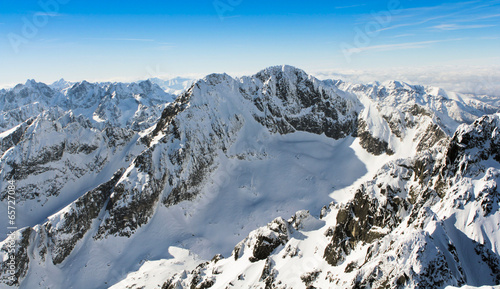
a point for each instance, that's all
(282, 70)
(29, 81)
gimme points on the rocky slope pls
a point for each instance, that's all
(229, 155)
(424, 222)
(58, 142)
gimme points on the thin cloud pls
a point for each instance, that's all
(415, 23)
(485, 5)
(398, 46)
(165, 47)
(397, 26)
(350, 6)
(476, 18)
(50, 40)
(488, 37)
(386, 47)
(50, 14)
(403, 35)
(230, 17)
(421, 12)
(449, 27)
(489, 16)
(444, 11)
(124, 39)
(441, 7)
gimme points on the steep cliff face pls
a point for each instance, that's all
(293, 101)
(227, 156)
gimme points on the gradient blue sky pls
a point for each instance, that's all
(130, 40)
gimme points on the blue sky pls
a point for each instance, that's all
(129, 40)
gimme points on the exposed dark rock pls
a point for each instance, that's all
(358, 220)
(217, 258)
(491, 259)
(484, 134)
(17, 250)
(268, 274)
(401, 281)
(351, 267)
(205, 284)
(370, 143)
(189, 189)
(309, 277)
(265, 245)
(78, 220)
(368, 280)
(431, 136)
(169, 114)
(62, 239)
(198, 280)
(302, 106)
(124, 220)
(15, 137)
(168, 284)
(394, 125)
(436, 274)
(36, 164)
(418, 110)
(264, 241)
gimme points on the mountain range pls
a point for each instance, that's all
(275, 180)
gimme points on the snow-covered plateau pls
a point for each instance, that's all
(275, 180)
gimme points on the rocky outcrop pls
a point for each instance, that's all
(370, 143)
(263, 241)
(484, 133)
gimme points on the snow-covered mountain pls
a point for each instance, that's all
(57, 144)
(175, 85)
(301, 182)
